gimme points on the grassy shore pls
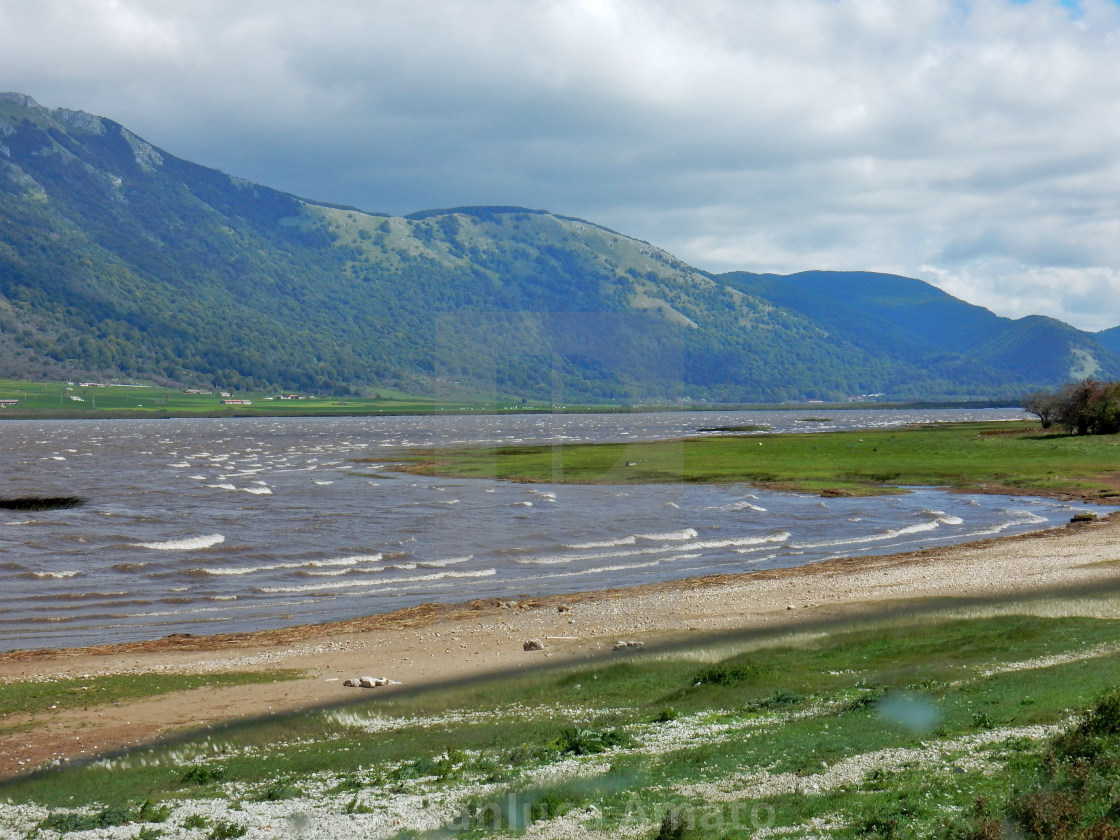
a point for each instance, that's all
(991, 457)
(63, 401)
(137, 400)
(941, 724)
(27, 698)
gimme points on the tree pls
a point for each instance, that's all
(1087, 407)
(1043, 405)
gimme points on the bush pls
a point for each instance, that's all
(672, 826)
(779, 699)
(227, 830)
(202, 774)
(725, 675)
(1072, 796)
(576, 741)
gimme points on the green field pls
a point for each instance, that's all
(944, 723)
(993, 457)
(58, 399)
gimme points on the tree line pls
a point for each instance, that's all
(1087, 407)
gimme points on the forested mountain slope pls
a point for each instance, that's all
(118, 258)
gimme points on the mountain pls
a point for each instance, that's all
(927, 328)
(1109, 339)
(119, 259)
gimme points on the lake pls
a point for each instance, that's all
(216, 525)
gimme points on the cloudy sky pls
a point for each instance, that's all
(974, 144)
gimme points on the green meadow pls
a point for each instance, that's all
(63, 400)
(954, 721)
(992, 457)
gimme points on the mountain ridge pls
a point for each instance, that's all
(119, 258)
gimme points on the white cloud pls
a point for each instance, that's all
(973, 144)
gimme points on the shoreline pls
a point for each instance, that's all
(434, 612)
(455, 410)
(432, 644)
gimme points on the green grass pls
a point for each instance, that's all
(975, 456)
(53, 399)
(34, 697)
(751, 708)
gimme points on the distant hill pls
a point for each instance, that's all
(1109, 339)
(917, 323)
(118, 258)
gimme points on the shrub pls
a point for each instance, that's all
(227, 830)
(777, 700)
(576, 741)
(726, 675)
(203, 774)
(276, 792)
(672, 826)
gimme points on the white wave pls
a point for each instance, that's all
(300, 564)
(258, 491)
(739, 541)
(562, 559)
(188, 544)
(673, 536)
(404, 567)
(624, 567)
(749, 544)
(54, 458)
(321, 483)
(450, 561)
(598, 570)
(747, 506)
(68, 574)
(522, 504)
(317, 587)
(222, 486)
(1026, 517)
(943, 517)
(879, 537)
(603, 543)
(180, 464)
(917, 528)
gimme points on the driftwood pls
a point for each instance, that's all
(41, 502)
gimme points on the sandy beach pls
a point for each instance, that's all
(430, 644)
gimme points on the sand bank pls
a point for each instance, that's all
(430, 644)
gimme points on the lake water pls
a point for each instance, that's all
(215, 525)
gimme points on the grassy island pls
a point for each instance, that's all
(991, 457)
